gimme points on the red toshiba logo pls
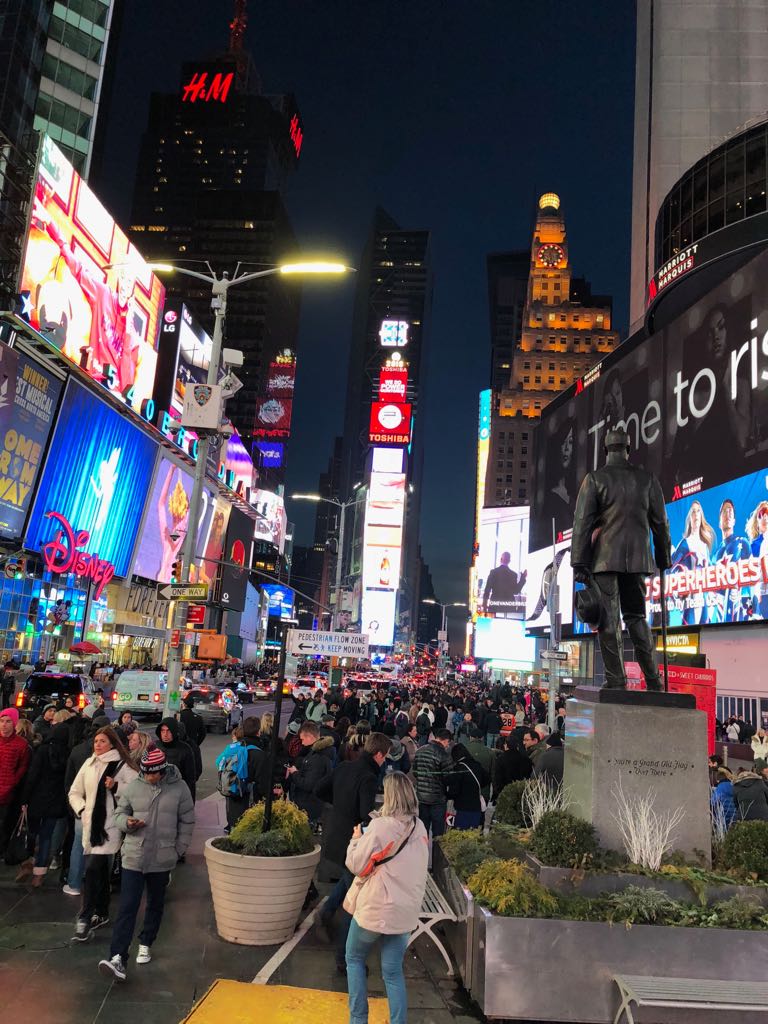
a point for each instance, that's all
(204, 89)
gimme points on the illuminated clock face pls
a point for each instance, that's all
(551, 255)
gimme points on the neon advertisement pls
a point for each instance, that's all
(63, 555)
(393, 384)
(237, 560)
(273, 417)
(204, 89)
(281, 600)
(96, 478)
(503, 640)
(394, 333)
(28, 400)
(85, 286)
(390, 423)
(272, 521)
(271, 455)
(502, 558)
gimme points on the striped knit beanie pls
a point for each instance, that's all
(153, 760)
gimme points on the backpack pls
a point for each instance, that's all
(232, 764)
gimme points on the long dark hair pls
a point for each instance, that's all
(115, 741)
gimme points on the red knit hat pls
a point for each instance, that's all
(153, 760)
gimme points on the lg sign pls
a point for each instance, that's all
(393, 385)
(390, 423)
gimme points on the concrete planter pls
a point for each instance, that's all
(574, 882)
(257, 900)
(545, 970)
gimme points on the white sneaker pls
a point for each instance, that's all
(114, 968)
(70, 891)
(144, 955)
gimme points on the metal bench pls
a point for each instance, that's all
(689, 994)
(434, 909)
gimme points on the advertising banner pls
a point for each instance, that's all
(503, 640)
(281, 600)
(378, 617)
(272, 521)
(28, 400)
(382, 552)
(273, 417)
(86, 287)
(270, 454)
(96, 478)
(237, 553)
(390, 423)
(281, 380)
(541, 571)
(502, 556)
(393, 384)
(701, 682)
(166, 525)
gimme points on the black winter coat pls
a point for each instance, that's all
(195, 726)
(352, 792)
(493, 722)
(314, 764)
(463, 788)
(430, 767)
(510, 766)
(44, 791)
(179, 753)
(550, 766)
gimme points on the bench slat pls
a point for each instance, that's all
(696, 991)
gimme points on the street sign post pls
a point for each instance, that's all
(551, 655)
(184, 592)
(327, 644)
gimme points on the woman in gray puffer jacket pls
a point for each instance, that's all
(157, 814)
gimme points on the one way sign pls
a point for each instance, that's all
(328, 645)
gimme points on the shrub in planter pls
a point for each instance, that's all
(738, 912)
(745, 850)
(512, 890)
(289, 836)
(634, 905)
(562, 840)
(509, 805)
(465, 851)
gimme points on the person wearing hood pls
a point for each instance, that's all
(192, 722)
(511, 764)
(311, 765)
(397, 759)
(759, 744)
(14, 760)
(722, 798)
(178, 752)
(184, 737)
(156, 813)
(750, 791)
(43, 724)
(550, 765)
(465, 785)
(93, 798)
(45, 800)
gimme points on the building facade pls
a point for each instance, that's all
(701, 74)
(565, 330)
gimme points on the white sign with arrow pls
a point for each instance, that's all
(328, 645)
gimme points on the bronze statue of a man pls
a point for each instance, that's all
(617, 509)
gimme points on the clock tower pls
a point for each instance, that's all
(565, 331)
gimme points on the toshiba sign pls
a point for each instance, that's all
(393, 384)
(390, 423)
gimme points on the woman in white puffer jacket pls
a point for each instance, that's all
(93, 798)
(759, 743)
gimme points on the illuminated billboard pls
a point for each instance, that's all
(86, 287)
(504, 640)
(502, 557)
(166, 525)
(281, 600)
(382, 553)
(390, 423)
(393, 384)
(271, 454)
(28, 400)
(693, 397)
(394, 333)
(96, 478)
(541, 571)
(237, 560)
(274, 408)
(271, 522)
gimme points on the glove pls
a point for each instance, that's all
(581, 574)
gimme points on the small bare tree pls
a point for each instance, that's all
(541, 796)
(647, 834)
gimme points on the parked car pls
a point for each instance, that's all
(219, 708)
(308, 685)
(140, 692)
(263, 689)
(43, 688)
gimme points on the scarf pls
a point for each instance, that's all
(99, 834)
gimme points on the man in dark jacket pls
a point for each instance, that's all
(510, 765)
(550, 765)
(45, 798)
(750, 792)
(352, 791)
(327, 729)
(616, 508)
(193, 723)
(178, 752)
(310, 767)
(431, 766)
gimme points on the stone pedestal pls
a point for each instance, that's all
(644, 741)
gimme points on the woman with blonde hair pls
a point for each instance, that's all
(389, 861)
(265, 731)
(138, 742)
(695, 552)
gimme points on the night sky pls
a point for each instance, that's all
(453, 116)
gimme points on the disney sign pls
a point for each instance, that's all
(63, 555)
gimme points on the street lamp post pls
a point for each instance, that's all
(443, 629)
(219, 291)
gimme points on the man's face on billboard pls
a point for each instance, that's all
(126, 282)
(727, 516)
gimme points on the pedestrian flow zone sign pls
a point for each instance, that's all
(328, 645)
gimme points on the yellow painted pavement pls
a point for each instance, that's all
(236, 1002)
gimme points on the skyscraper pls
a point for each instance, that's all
(214, 161)
(701, 73)
(79, 49)
(565, 331)
(507, 295)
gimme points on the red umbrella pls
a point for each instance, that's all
(84, 647)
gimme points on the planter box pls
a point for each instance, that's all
(459, 933)
(571, 882)
(546, 970)
(257, 900)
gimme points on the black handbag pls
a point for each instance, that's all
(17, 849)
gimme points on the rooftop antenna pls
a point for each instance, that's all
(237, 27)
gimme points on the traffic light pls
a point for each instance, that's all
(176, 571)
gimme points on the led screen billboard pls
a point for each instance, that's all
(390, 423)
(281, 600)
(85, 286)
(166, 524)
(237, 560)
(503, 640)
(502, 557)
(378, 617)
(393, 384)
(382, 551)
(541, 571)
(28, 400)
(98, 469)
(693, 398)
(271, 522)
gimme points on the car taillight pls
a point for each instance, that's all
(219, 701)
(114, 695)
(20, 699)
(82, 701)
(156, 698)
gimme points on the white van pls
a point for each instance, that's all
(141, 693)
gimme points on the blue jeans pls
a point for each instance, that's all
(433, 816)
(76, 858)
(490, 740)
(332, 904)
(131, 890)
(359, 944)
(43, 829)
